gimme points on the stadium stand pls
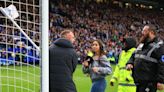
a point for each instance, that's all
(93, 20)
(13, 44)
(90, 20)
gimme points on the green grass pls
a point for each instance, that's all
(83, 82)
(19, 79)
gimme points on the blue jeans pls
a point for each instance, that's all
(99, 85)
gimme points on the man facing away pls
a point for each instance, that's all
(62, 62)
(121, 75)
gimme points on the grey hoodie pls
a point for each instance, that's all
(104, 68)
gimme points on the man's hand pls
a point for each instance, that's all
(95, 69)
(85, 63)
(160, 86)
(129, 66)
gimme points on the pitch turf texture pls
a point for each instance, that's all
(83, 82)
(19, 79)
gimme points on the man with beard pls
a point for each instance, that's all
(147, 63)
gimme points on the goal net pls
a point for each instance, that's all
(20, 41)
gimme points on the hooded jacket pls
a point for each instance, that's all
(122, 75)
(62, 63)
(130, 43)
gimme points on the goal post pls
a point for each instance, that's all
(45, 46)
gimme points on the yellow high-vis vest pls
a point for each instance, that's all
(123, 76)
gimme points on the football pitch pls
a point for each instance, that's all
(19, 79)
(27, 79)
(83, 82)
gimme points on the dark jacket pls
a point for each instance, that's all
(62, 63)
(148, 62)
(130, 43)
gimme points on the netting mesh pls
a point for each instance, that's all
(19, 59)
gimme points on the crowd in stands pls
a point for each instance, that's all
(89, 20)
(100, 21)
(14, 46)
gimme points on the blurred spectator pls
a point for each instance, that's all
(90, 20)
(100, 21)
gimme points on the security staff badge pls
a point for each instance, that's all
(162, 58)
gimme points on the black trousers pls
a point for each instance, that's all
(146, 87)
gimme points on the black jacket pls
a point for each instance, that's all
(130, 43)
(62, 63)
(148, 62)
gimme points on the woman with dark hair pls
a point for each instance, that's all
(97, 67)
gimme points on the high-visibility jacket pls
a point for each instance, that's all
(112, 59)
(123, 76)
(90, 53)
